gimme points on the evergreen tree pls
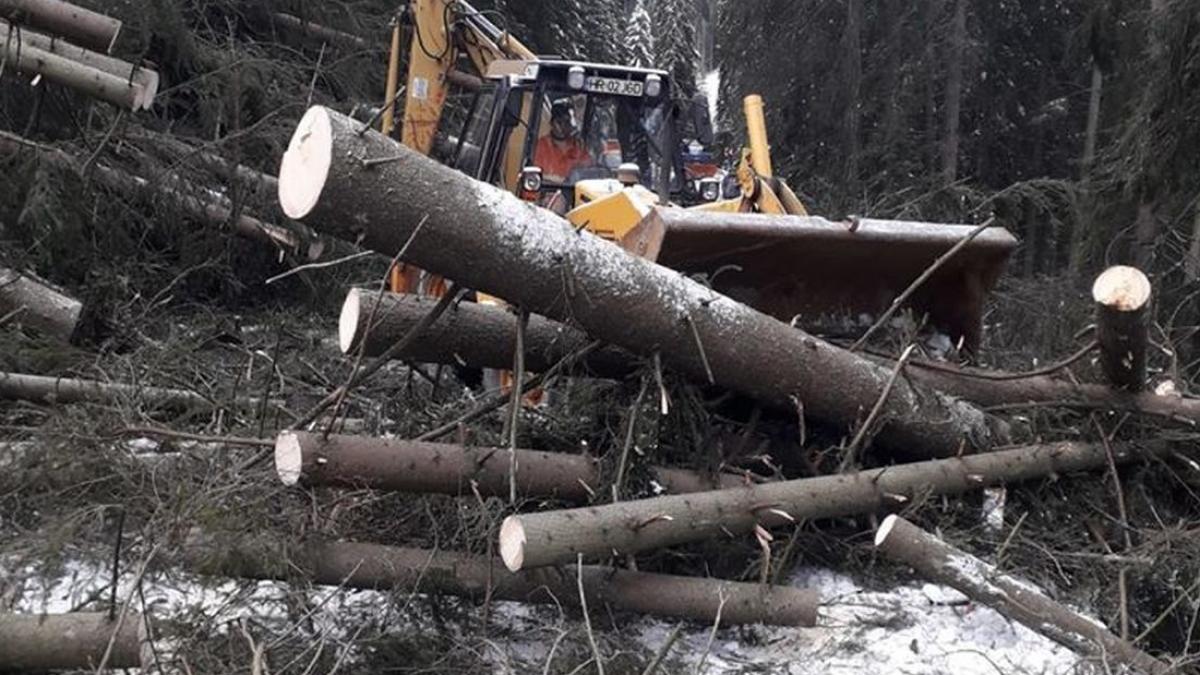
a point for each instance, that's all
(639, 37)
(675, 50)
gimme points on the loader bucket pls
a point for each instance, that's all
(830, 277)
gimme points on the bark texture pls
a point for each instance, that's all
(488, 239)
(414, 466)
(474, 334)
(144, 78)
(32, 302)
(1122, 296)
(553, 537)
(316, 31)
(42, 389)
(83, 78)
(79, 25)
(1012, 597)
(371, 566)
(77, 641)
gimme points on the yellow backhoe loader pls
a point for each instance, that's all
(600, 144)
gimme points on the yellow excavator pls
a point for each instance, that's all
(623, 177)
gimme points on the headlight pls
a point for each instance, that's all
(629, 174)
(531, 179)
(575, 77)
(653, 86)
(710, 189)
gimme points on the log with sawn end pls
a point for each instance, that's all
(366, 188)
(62, 390)
(376, 567)
(81, 77)
(472, 334)
(553, 537)
(1122, 296)
(441, 468)
(146, 79)
(29, 301)
(77, 24)
(1016, 599)
(75, 641)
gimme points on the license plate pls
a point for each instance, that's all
(614, 86)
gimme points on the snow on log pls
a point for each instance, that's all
(32, 302)
(81, 77)
(146, 79)
(205, 206)
(371, 190)
(62, 390)
(317, 31)
(1016, 599)
(77, 24)
(76, 641)
(376, 567)
(552, 537)
(414, 466)
(1122, 296)
(477, 335)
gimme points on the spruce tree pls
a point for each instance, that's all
(675, 49)
(639, 37)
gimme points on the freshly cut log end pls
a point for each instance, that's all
(348, 321)
(305, 165)
(289, 458)
(512, 543)
(1122, 288)
(885, 528)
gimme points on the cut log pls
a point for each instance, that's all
(83, 78)
(1122, 296)
(414, 466)
(32, 302)
(79, 25)
(552, 537)
(488, 239)
(145, 78)
(77, 641)
(61, 390)
(1016, 599)
(316, 31)
(206, 207)
(375, 567)
(473, 334)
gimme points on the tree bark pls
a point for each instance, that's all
(553, 537)
(488, 239)
(414, 466)
(31, 302)
(76, 641)
(61, 390)
(954, 87)
(79, 25)
(83, 78)
(1122, 296)
(313, 30)
(145, 78)
(1014, 598)
(204, 207)
(472, 334)
(375, 567)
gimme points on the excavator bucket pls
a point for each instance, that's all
(831, 277)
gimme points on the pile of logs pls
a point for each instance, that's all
(73, 51)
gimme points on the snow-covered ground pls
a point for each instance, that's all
(912, 629)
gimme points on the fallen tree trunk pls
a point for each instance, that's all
(145, 78)
(414, 466)
(81, 77)
(42, 389)
(79, 25)
(315, 30)
(1122, 296)
(470, 333)
(1016, 599)
(488, 239)
(76, 641)
(31, 302)
(207, 207)
(375, 567)
(549, 538)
